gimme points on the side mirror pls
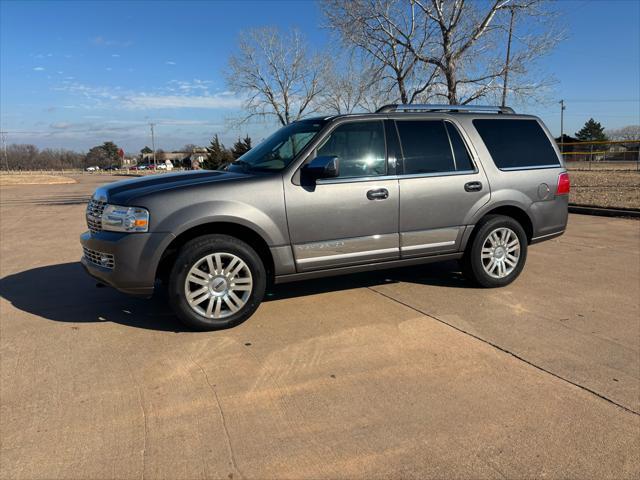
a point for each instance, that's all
(322, 167)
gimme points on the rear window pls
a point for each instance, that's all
(516, 143)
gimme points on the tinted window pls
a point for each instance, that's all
(360, 148)
(461, 156)
(516, 143)
(425, 147)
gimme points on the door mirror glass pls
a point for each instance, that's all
(322, 167)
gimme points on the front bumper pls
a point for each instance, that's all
(135, 259)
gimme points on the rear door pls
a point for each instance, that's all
(441, 185)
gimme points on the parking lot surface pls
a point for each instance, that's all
(396, 374)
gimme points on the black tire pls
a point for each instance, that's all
(194, 251)
(472, 264)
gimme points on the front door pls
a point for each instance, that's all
(439, 187)
(351, 219)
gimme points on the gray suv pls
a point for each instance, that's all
(406, 185)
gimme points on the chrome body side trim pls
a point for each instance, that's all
(429, 245)
(346, 251)
(427, 242)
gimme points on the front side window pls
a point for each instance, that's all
(360, 148)
(425, 147)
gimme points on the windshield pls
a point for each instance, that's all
(278, 150)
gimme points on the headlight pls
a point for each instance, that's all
(116, 218)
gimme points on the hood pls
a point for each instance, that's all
(125, 191)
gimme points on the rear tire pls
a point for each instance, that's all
(496, 252)
(216, 282)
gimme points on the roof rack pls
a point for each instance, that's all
(416, 107)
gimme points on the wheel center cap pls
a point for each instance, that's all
(218, 285)
(499, 253)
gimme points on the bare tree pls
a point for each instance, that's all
(350, 84)
(625, 134)
(390, 36)
(29, 157)
(276, 73)
(455, 45)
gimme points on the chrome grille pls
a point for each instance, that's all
(94, 215)
(99, 259)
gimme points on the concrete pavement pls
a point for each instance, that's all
(396, 374)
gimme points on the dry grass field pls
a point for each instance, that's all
(615, 189)
(33, 179)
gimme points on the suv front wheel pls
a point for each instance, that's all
(217, 281)
(497, 252)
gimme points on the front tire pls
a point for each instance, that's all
(496, 253)
(217, 282)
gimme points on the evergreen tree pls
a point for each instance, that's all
(241, 147)
(217, 155)
(146, 150)
(111, 151)
(247, 142)
(103, 155)
(591, 132)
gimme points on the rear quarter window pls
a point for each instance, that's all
(516, 143)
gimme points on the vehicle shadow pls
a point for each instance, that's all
(64, 293)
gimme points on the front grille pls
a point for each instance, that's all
(94, 215)
(99, 259)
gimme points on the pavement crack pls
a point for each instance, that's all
(223, 420)
(509, 352)
(146, 429)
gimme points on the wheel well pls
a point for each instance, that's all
(233, 229)
(517, 214)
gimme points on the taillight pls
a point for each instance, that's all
(564, 186)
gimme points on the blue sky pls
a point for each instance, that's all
(74, 74)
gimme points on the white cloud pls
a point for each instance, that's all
(115, 55)
(38, 69)
(104, 42)
(170, 62)
(187, 95)
(61, 125)
(182, 101)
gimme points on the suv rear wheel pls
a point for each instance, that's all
(497, 252)
(217, 282)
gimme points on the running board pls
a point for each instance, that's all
(331, 272)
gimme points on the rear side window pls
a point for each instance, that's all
(516, 143)
(461, 156)
(425, 147)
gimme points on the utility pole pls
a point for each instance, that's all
(153, 144)
(3, 136)
(512, 11)
(562, 109)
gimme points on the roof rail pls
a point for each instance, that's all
(417, 107)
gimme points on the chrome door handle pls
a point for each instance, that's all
(378, 194)
(473, 187)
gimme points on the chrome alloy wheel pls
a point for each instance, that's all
(500, 252)
(218, 285)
